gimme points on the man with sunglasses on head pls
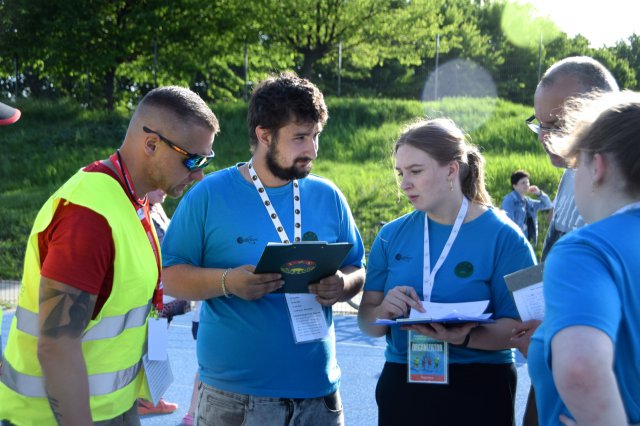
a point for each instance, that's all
(75, 352)
(254, 368)
(571, 77)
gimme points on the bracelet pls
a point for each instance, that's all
(223, 283)
(465, 342)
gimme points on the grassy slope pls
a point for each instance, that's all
(53, 140)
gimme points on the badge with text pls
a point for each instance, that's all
(428, 360)
(307, 318)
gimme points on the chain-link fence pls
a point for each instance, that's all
(9, 293)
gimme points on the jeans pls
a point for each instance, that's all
(221, 408)
(128, 418)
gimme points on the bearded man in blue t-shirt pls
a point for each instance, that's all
(257, 363)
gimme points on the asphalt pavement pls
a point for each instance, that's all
(360, 357)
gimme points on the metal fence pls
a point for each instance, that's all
(9, 292)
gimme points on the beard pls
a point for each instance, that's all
(281, 172)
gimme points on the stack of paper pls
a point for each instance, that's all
(449, 313)
(526, 287)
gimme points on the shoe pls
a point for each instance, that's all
(187, 420)
(163, 407)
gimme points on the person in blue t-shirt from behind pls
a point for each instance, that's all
(523, 210)
(570, 77)
(253, 368)
(456, 234)
(583, 359)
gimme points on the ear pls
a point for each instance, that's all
(599, 166)
(454, 169)
(264, 136)
(150, 144)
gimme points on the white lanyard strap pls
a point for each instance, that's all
(427, 274)
(628, 207)
(297, 213)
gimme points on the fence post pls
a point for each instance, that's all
(15, 72)
(339, 68)
(435, 96)
(246, 71)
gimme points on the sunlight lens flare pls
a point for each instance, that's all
(525, 26)
(460, 78)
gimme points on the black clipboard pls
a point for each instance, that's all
(302, 263)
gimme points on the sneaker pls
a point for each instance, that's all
(187, 420)
(163, 407)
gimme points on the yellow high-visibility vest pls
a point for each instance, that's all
(115, 341)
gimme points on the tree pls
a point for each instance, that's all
(626, 54)
(313, 28)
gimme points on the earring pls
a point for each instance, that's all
(451, 185)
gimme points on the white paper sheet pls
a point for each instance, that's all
(307, 318)
(530, 302)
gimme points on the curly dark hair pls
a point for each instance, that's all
(282, 99)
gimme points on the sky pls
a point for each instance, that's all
(602, 22)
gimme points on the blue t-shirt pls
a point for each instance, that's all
(592, 278)
(243, 346)
(485, 250)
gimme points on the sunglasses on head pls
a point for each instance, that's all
(193, 162)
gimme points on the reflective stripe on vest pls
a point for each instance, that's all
(27, 322)
(99, 384)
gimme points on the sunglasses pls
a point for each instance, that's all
(193, 162)
(537, 127)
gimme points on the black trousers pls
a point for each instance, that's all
(477, 394)
(530, 417)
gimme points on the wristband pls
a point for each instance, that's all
(465, 342)
(223, 283)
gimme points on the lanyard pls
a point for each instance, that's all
(628, 207)
(427, 274)
(142, 210)
(297, 214)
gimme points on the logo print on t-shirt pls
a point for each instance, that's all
(246, 240)
(309, 236)
(402, 258)
(464, 269)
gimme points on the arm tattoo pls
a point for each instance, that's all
(53, 403)
(68, 312)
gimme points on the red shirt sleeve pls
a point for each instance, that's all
(77, 248)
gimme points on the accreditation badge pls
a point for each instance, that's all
(427, 360)
(157, 337)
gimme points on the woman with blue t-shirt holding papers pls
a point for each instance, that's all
(455, 247)
(583, 359)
